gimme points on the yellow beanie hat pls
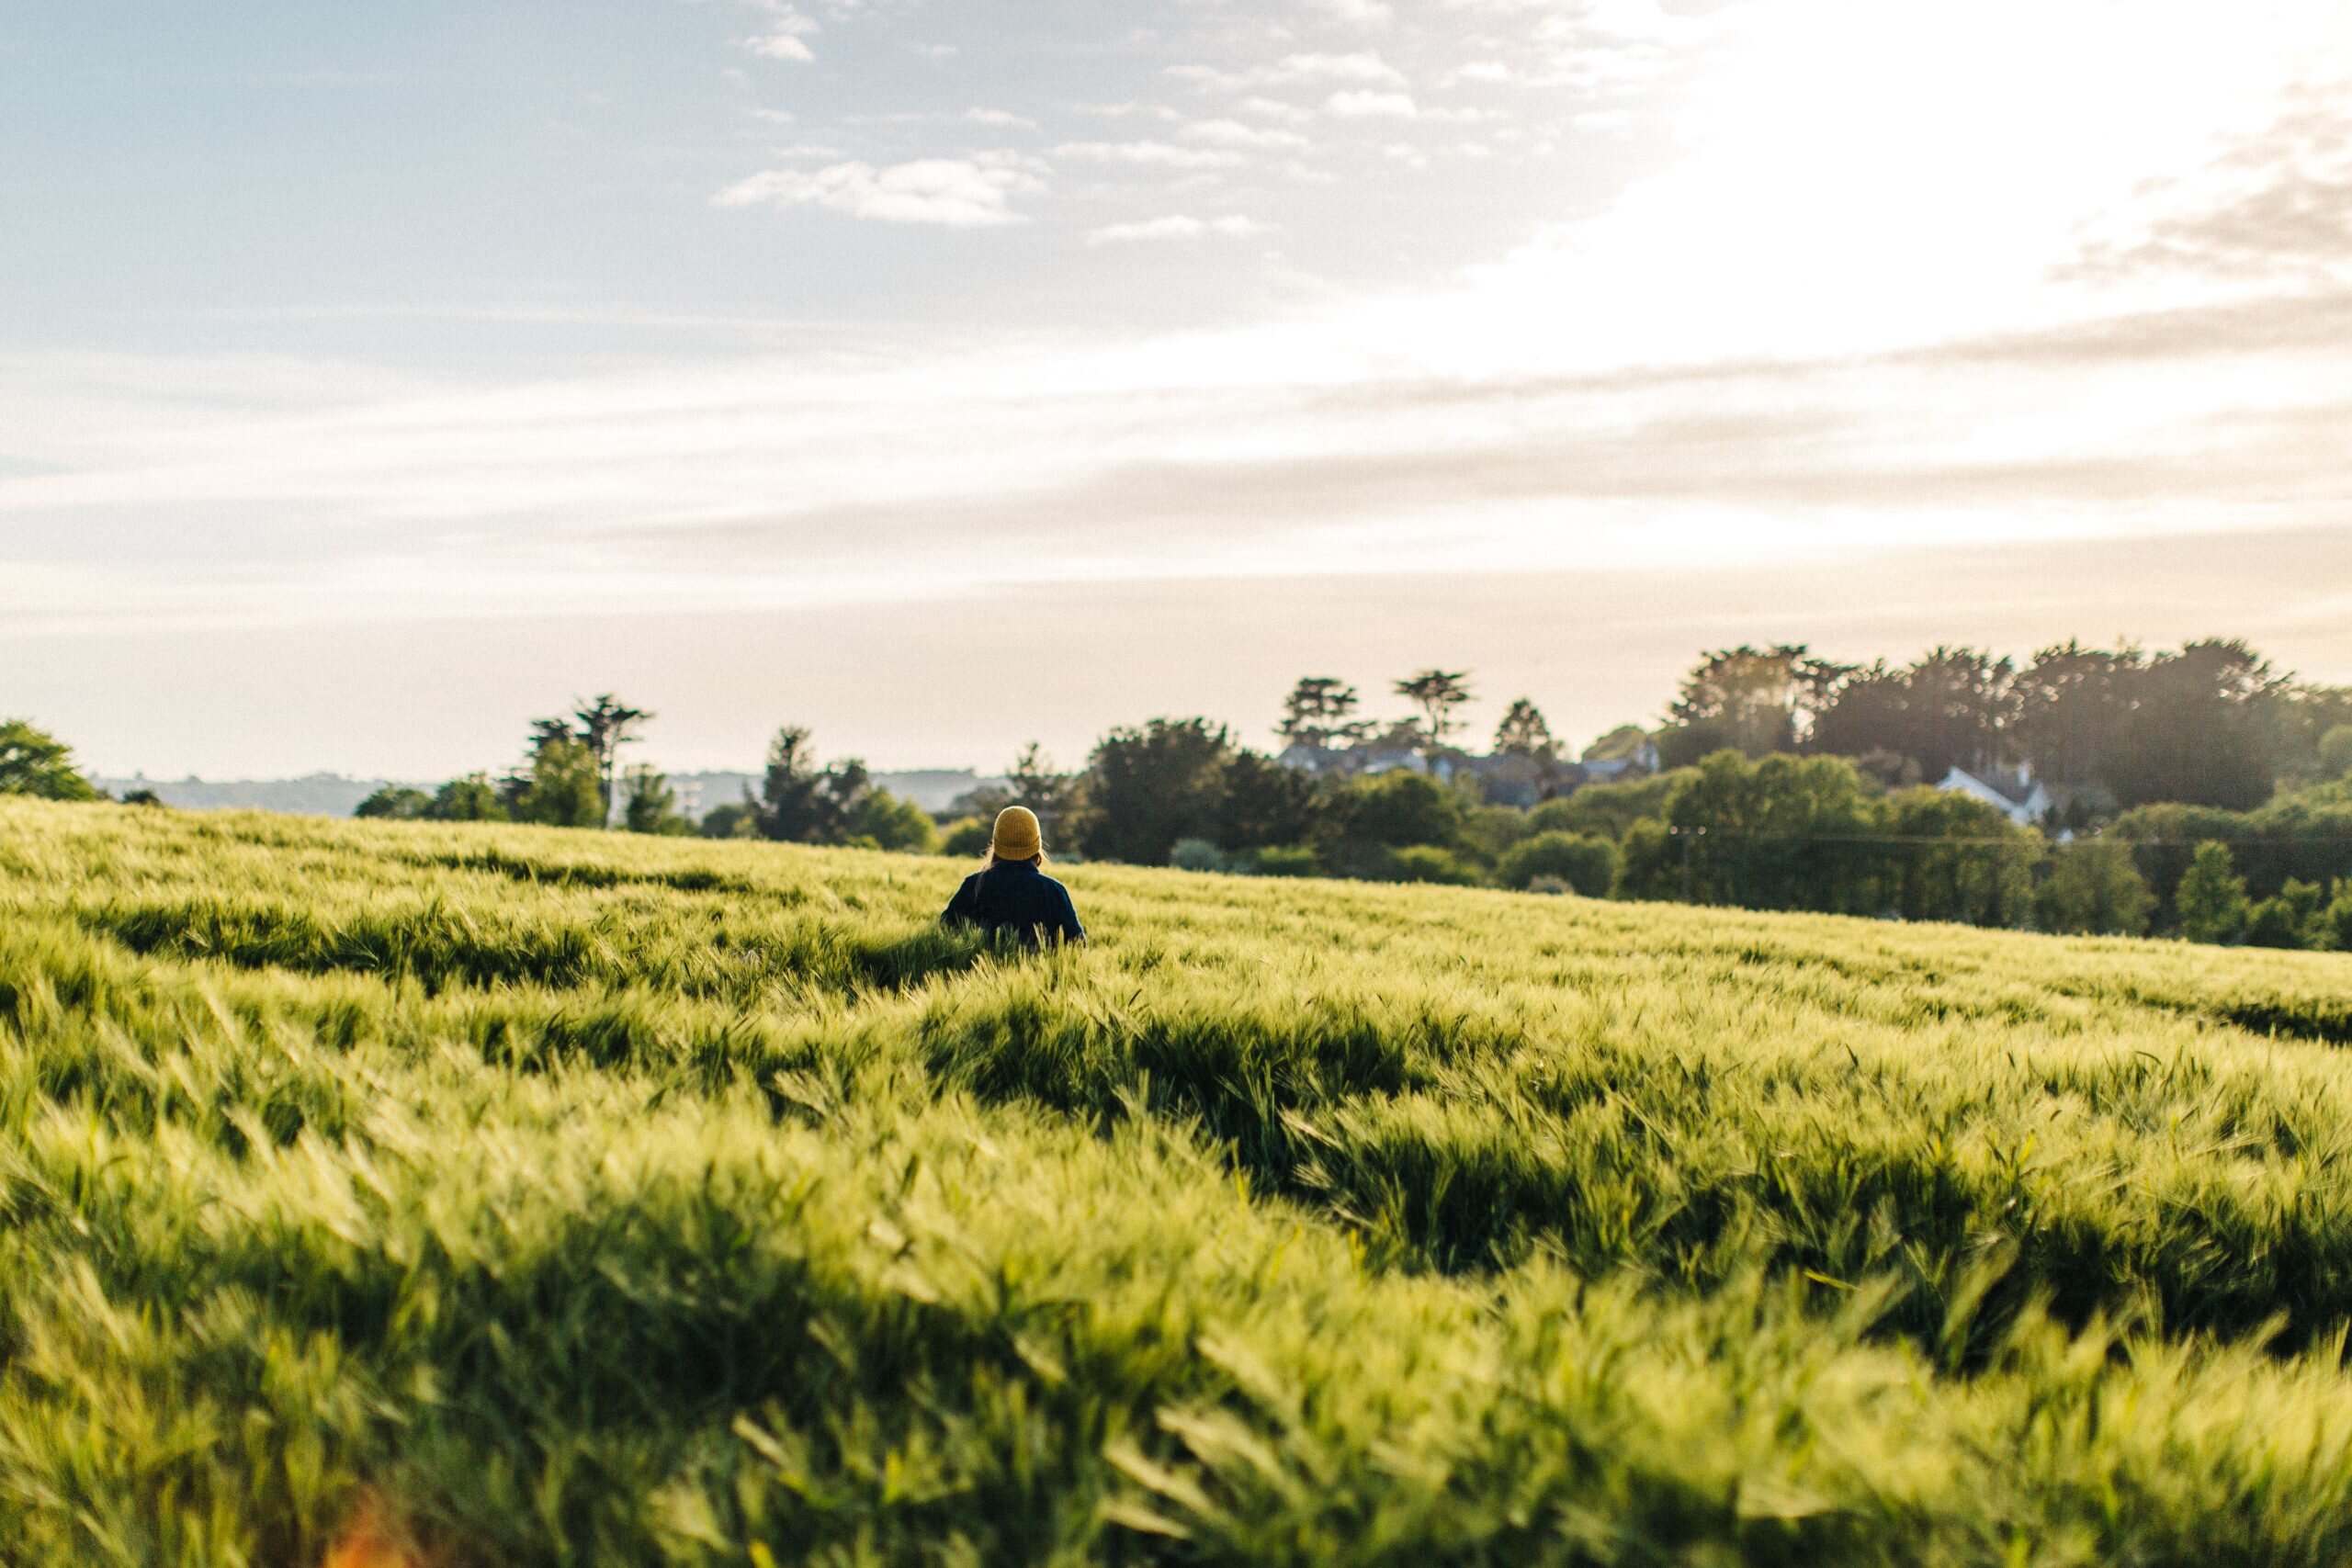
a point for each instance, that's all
(1017, 836)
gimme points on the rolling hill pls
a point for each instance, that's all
(473, 1195)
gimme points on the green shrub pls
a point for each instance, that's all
(2290, 919)
(472, 798)
(2094, 889)
(1198, 855)
(396, 803)
(1589, 865)
(564, 788)
(732, 819)
(1395, 810)
(1606, 810)
(1427, 862)
(966, 836)
(2211, 902)
(2335, 752)
(37, 764)
(891, 823)
(1283, 860)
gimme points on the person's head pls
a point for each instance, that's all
(1017, 837)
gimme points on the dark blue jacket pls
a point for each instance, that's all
(1013, 896)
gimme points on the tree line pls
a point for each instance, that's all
(572, 776)
(2198, 791)
(2212, 722)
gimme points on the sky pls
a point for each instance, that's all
(944, 378)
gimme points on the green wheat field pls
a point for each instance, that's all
(542, 1196)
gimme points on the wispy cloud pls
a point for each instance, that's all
(973, 192)
(1233, 133)
(1175, 226)
(2275, 203)
(1362, 104)
(1362, 66)
(1358, 13)
(1161, 154)
(788, 30)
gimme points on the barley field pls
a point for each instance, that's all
(410, 1194)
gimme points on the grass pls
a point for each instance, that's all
(517, 1196)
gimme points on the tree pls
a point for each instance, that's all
(886, 822)
(1151, 786)
(1395, 810)
(2195, 729)
(561, 786)
(1438, 693)
(731, 819)
(1587, 865)
(1960, 702)
(792, 800)
(649, 805)
(1953, 708)
(1781, 833)
(1403, 735)
(35, 763)
(1755, 700)
(396, 803)
(472, 798)
(1867, 713)
(1056, 797)
(1957, 858)
(1621, 744)
(1319, 712)
(1266, 803)
(2212, 901)
(2292, 918)
(2069, 701)
(1606, 811)
(2300, 716)
(605, 726)
(1524, 733)
(2335, 752)
(2094, 889)
(801, 803)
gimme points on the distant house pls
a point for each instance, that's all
(1510, 778)
(1340, 762)
(2016, 794)
(1639, 763)
(1320, 761)
(1504, 778)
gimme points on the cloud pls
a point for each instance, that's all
(780, 46)
(1363, 66)
(1482, 71)
(2275, 203)
(974, 192)
(1176, 226)
(1002, 120)
(1233, 133)
(787, 27)
(1160, 155)
(1129, 109)
(1365, 105)
(1274, 109)
(1359, 13)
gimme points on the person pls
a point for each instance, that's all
(1011, 893)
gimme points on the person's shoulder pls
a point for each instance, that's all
(1054, 883)
(971, 881)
